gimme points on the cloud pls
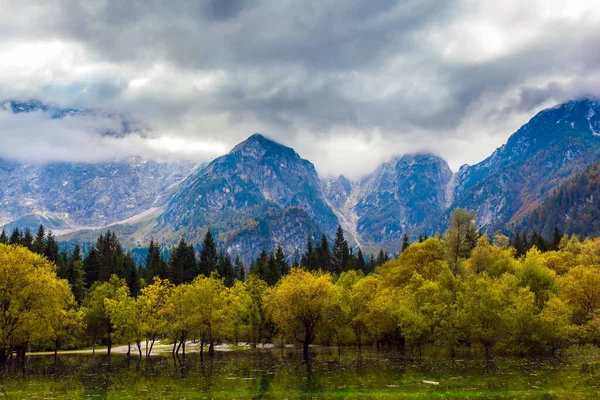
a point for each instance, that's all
(36, 137)
(332, 78)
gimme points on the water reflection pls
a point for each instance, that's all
(257, 374)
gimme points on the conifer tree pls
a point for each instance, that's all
(323, 254)
(155, 264)
(518, 244)
(3, 237)
(382, 257)
(132, 276)
(360, 261)
(226, 269)
(340, 254)
(15, 237)
(260, 266)
(556, 239)
(182, 263)
(310, 258)
(240, 272)
(39, 243)
(91, 266)
(28, 239)
(282, 264)
(208, 255)
(405, 242)
(75, 274)
(51, 251)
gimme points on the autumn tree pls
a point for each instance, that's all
(302, 303)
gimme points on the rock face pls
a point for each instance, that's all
(400, 196)
(553, 145)
(247, 188)
(66, 196)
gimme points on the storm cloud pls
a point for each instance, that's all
(340, 81)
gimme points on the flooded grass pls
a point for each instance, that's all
(279, 374)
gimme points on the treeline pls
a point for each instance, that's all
(106, 257)
(459, 291)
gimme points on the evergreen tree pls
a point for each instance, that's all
(282, 264)
(323, 255)
(405, 242)
(309, 259)
(182, 263)
(3, 237)
(340, 254)
(226, 269)
(371, 265)
(28, 239)
(240, 272)
(51, 251)
(420, 238)
(260, 266)
(39, 243)
(91, 267)
(15, 237)
(131, 273)
(109, 255)
(518, 244)
(208, 255)
(556, 239)
(273, 273)
(382, 257)
(360, 261)
(155, 264)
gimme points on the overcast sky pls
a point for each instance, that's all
(347, 83)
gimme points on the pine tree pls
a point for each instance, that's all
(226, 269)
(405, 242)
(518, 244)
(39, 243)
(182, 263)
(323, 255)
(240, 272)
(360, 261)
(260, 266)
(273, 273)
(51, 251)
(339, 256)
(28, 239)
(371, 265)
(556, 239)
(109, 255)
(91, 266)
(282, 264)
(309, 259)
(15, 237)
(3, 237)
(132, 276)
(382, 257)
(420, 238)
(155, 264)
(208, 255)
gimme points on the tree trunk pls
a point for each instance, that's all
(128, 349)
(151, 345)
(305, 345)
(55, 350)
(183, 339)
(211, 344)
(174, 346)
(139, 345)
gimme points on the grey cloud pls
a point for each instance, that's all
(323, 67)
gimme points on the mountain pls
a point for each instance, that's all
(68, 196)
(401, 196)
(573, 207)
(258, 179)
(552, 146)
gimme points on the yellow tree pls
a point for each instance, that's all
(97, 317)
(211, 308)
(302, 303)
(180, 315)
(31, 295)
(254, 311)
(125, 316)
(152, 303)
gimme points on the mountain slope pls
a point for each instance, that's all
(259, 176)
(400, 196)
(68, 196)
(574, 207)
(552, 146)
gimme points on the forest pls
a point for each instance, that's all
(462, 291)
